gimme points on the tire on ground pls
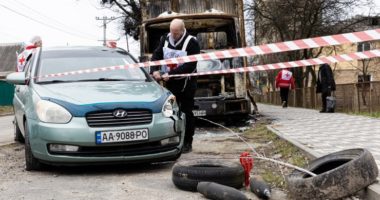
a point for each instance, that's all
(217, 191)
(31, 163)
(339, 174)
(187, 174)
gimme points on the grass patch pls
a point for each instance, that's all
(6, 109)
(276, 148)
(367, 114)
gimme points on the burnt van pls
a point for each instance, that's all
(217, 25)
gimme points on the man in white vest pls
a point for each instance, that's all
(179, 43)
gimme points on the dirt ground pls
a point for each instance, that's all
(141, 181)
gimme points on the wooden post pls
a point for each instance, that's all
(174, 4)
(370, 98)
(357, 102)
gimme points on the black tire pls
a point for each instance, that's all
(31, 163)
(339, 175)
(187, 174)
(17, 132)
(217, 191)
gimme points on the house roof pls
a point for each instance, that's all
(8, 60)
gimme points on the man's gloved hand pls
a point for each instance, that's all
(156, 75)
(165, 77)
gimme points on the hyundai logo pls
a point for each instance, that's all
(119, 113)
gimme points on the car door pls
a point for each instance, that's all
(20, 95)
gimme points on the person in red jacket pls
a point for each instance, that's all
(285, 81)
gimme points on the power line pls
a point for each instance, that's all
(45, 24)
(54, 20)
(106, 20)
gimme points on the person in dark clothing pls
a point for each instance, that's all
(325, 84)
(176, 44)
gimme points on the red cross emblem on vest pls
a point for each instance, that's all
(21, 60)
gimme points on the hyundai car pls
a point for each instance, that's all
(90, 105)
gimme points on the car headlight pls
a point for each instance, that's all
(169, 106)
(50, 112)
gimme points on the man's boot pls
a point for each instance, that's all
(187, 147)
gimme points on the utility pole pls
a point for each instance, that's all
(105, 21)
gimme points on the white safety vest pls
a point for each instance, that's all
(174, 53)
(286, 75)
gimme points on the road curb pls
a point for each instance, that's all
(372, 192)
(6, 114)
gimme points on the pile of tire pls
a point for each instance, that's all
(338, 175)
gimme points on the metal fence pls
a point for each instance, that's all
(353, 97)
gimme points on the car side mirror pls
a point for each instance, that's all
(17, 78)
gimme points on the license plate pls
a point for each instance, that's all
(121, 136)
(199, 112)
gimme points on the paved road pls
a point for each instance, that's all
(6, 129)
(114, 181)
(324, 133)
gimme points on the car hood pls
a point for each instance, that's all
(82, 97)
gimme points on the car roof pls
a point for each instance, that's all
(84, 48)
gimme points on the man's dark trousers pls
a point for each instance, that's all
(284, 93)
(185, 101)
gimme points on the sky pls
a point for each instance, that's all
(67, 22)
(60, 23)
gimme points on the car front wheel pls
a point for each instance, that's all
(31, 163)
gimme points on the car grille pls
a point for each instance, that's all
(104, 119)
(123, 150)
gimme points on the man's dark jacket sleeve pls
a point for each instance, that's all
(158, 54)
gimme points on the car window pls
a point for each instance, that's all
(54, 63)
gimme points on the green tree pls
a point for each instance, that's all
(284, 20)
(131, 10)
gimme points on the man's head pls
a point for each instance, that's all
(177, 29)
(36, 41)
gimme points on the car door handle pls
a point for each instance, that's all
(17, 89)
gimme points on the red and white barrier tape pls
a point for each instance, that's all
(275, 47)
(299, 63)
(339, 39)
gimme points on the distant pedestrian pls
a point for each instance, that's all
(325, 85)
(285, 82)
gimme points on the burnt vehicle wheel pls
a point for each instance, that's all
(187, 174)
(31, 163)
(339, 174)
(17, 132)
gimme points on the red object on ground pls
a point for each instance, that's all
(247, 162)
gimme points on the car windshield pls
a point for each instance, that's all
(53, 62)
(209, 65)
